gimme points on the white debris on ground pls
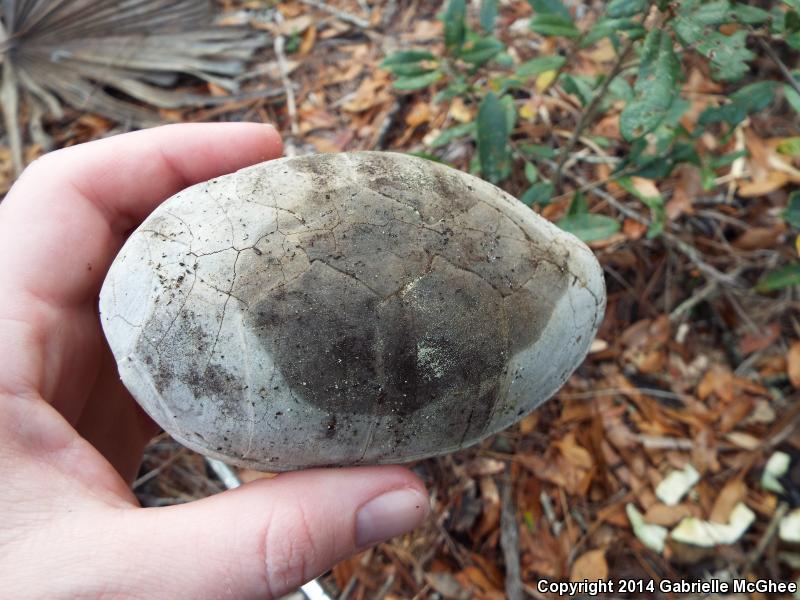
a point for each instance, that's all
(652, 536)
(776, 467)
(707, 534)
(676, 485)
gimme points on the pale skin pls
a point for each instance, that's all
(71, 437)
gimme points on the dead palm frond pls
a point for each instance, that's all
(92, 54)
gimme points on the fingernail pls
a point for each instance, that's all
(389, 515)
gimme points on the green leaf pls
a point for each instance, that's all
(458, 87)
(555, 7)
(416, 82)
(792, 212)
(581, 86)
(538, 151)
(696, 26)
(792, 21)
(539, 65)
(692, 24)
(427, 156)
(655, 89)
(751, 15)
(625, 8)
(779, 278)
(454, 27)
(728, 54)
(408, 69)
(620, 89)
(790, 146)
(718, 162)
(795, 4)
(579, 205)
(792, 97)
(492, 139)
(511, 113)
(749, 99)
(589, 227)
(453, 133)
(554, 25)
(707, 178)
(606, 27)
(531, 172)
(488, 14)
(481, 51)
(406, 56)
(539, 193)
(505, 60)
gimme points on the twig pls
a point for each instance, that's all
(339, 14)
(769, 533)
(787, 74)
(588, 114)
(693, 255)
(509, 539)
(387, 585)
(705, 292)
(653, 442)
(291, 105)
(549, 513)
(153, 472)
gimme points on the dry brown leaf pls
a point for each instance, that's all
(768, 184)
(717, 380)
(372, 91)
(424, 30)
(590, 565)
(608, 127)
(460, 111)
(491, 507)
(700, 83)
(603, 52)
(667, 516)
(734, 492)
(734, 413)
(295, 25)
(248, 475)
(793, 364)
(646, 187)
(687, 188)
(350, 72)
(309, 38)
(472, 577)
(756, 238)
(344, 570)
(755, 341)
(420, 113)
(633, 229)
(743, 440)
(529, 423)
(769, 170)
(574, 452)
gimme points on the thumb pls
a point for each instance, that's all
(269, 537)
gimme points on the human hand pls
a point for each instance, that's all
(71, 437)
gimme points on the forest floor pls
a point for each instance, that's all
(649, 464)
